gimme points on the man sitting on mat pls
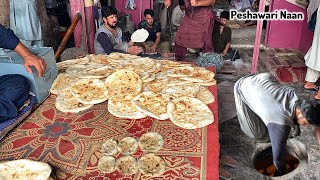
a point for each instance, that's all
(153, 43)
(14, 88)
(267, 111)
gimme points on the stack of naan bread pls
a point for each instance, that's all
(149, 163)
(136, 87)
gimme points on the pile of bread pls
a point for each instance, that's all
(136, 87)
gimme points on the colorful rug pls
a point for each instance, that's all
(70, 143)
(290, 74)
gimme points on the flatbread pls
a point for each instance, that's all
(176, 82)
(190, 90)
(189, 113)
(107, 164)
(128, 145)
(66, 102)
(89, 91)
(109, 148)
(150, 142)
(124, 109)
(123, 84)
(152, 104)
(65, 64)
(62, 81)
(211, 83)
(24, 169)
(182, 72)
(127, 165)
(205, 95)
(151, 165)
(200, 75)
(139, 35)
(157, 84)
(101, 72)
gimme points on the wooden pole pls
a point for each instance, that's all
(67, 36)
(257, 40)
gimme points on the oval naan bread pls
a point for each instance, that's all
(128, 145)
(205, 95)
(200, 75)
(189, 113)
(151, 165)
(107, 164)
(89, 91)
(150, 142)
(124, 109)
(127, 165)
(190, 90)
(24, 169)
(123, 84)
(66, 102)
(152, 104)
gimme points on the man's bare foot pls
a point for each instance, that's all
(309, 85)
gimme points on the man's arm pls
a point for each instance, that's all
(9, 40)
(227, 47)
(202, 2)
(316, 133)
(104, 40)
(156, 43)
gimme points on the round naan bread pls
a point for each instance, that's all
(124, 109)
(189, 113)
(151, 165)
(139, 35)
(151, 142)
(127, 165)
(128, 145)
(123, 84)
(205, 95)
(107, 164)
(66, 102)
(110, 147)
(89, 91)
(152, 104)
(24, 169)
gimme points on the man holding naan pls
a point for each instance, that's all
(153, 43)
(108, 37)
(267, 111)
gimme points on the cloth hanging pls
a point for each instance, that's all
(25, 22)
(313, 55)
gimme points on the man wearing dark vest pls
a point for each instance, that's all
(109, 37)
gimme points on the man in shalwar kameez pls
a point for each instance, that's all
(196, 27)
(312, 60)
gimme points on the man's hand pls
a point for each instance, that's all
(35, 61)
(153, 49)
(134, 50)
(167, 3)
(194, 2)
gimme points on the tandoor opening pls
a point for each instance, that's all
(264, 164)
